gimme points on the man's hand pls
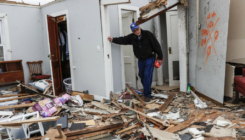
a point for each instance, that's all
(160, 61)
(110, 38)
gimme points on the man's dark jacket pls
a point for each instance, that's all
(148, 41)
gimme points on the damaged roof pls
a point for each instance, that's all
(14, 2)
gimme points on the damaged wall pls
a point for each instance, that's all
(25, 33)
(116, 54)
(85, 34)
(236, 35)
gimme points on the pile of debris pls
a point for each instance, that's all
(169, 115)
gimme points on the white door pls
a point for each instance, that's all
(173, 48)
(128, 54)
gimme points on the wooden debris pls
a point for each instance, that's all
(170, 98)
(88, 122)
(17, 106)
(141, 117)
(13, 123)
(162, 122)
(23, 97)
(152, 106)
(129, 128)
(104, 106)
(136, 95)
(11, 95)
(85, 97)
(186, 124)
(46, 90)
(58, 127)
(92, 129)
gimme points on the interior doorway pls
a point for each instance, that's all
(170, 48)
(59, 51)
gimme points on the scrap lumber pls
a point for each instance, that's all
(186, 124)
(85, 97)
(3, 96)
(16, 123)
(88, 122)
(46, 90)
(156, 123)
(165, 105)
(104, 106)
(149, 117)
(52, 133)
(136, 95)
(86, 135)
(114, 102)
(129, 128)
(58, 127)
(23, 97)
(17, 106)
(141, 117)
(92, 129)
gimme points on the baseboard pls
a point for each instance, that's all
(99, 98)
(206, 97)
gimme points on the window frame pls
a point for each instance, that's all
(2, 39)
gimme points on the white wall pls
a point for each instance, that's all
(116, 54)
(85, 33)
(236, 31)
(25, 32)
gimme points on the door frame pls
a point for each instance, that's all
(57, 14)
(136, 16)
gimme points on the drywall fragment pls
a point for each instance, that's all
(172, 116)
(95, 111)
(217, 131)
(77, 100)
(221, 121)
(160, 95)
(104, 106)
(162, 135)
(198, 102)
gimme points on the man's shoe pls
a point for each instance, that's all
(147, 99)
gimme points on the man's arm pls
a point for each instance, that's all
(121, 40)
(156, 46)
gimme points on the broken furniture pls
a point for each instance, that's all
(239, 84)
(35, 69)
(11, 71)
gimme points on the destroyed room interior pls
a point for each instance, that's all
(62, 78)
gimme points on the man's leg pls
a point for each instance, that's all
(148, 72)
(141, 65)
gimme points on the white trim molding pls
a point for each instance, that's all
(136, 16)
(6, 39)
(105, 23)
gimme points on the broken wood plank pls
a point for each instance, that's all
(158, 124)
(23, 97)
(85, 97)
(3, 96)
(104, 106)
(88, 122)
(186, 124)
(115, 114)
(86, 135)
(129, 128)
(13, 123)
(92, 129)
(149, 117)
(46, 90)
(141, 117)
(124, 118)
(114, 102)
(58, 127)
(170, 98)
(136, 95)
(17, 106)
(52, 133)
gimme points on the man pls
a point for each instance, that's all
(145, 47)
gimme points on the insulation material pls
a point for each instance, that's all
(221, 121)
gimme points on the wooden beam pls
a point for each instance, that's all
(92, 129)
(136, 95)
(140, 21)
(86, 135)
(149, 117)
(58, 127)
(13, 123)
(165, 105)
(46, 90)
(129, 128)
(23, 97)
(3, 96)
(17, 106)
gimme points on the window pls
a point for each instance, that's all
(1, 42)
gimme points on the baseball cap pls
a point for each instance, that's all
(133, 26)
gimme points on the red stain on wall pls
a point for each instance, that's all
(204, 32)
(209, 16)
(213, 14)
(210, 24)
(208, 53)
(216, 35)
(203, 42)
